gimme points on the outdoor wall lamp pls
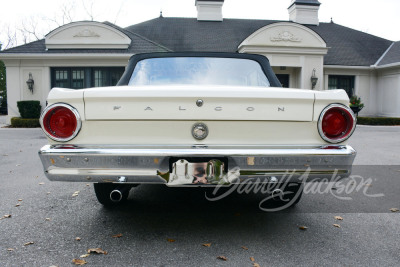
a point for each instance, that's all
(314, 79)
(30, 82)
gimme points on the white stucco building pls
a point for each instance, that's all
(90, 54)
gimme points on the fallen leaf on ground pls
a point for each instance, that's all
(20, 199)
(79, 261)
(394, 209)
(252, 259)
(29, 243)
(48, 219)
(78, 238)
(87, 184)
(336, 225)
(97, 251)
(17, 205)
(222, 258)
(41, 183)
(10, 249)
(368, 184)
(75, 194)
(117, 236)
(245, 248)
(171, 240)
(303, 227)
(48, 193)
(5, 217)
(207, 245)
(338, 218)
(84, 256)
(256, 265)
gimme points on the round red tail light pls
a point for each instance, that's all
(336, 123)
(60, 122)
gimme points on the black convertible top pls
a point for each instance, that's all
(262, 60)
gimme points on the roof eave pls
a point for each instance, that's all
(348, 67)
(391, 65)
(62, 55)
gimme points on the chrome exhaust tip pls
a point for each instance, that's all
(116, 195)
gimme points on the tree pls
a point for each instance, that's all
(35, 27)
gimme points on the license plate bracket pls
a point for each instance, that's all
(197, 171)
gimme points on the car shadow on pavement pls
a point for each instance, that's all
(159, 207)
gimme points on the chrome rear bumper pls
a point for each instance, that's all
(150, 164)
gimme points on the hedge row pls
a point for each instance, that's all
(24, 123)
(378, 121)
(29, 109)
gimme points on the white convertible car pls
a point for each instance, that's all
(196, 119)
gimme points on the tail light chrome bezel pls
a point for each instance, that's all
(73, 110)
(349, 131)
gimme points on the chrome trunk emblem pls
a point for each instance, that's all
(199, 131)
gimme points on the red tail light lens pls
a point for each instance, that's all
(336, 123)
(60, 122)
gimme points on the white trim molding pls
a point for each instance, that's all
(284, 34)
(87, 35)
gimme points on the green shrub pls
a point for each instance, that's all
(29, 109)
(378, 121)
(24, 123)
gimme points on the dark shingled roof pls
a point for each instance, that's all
(347, 46)
(33, 47)
(350, 47)
(139, 43)
(189, 34)
(392, 55)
